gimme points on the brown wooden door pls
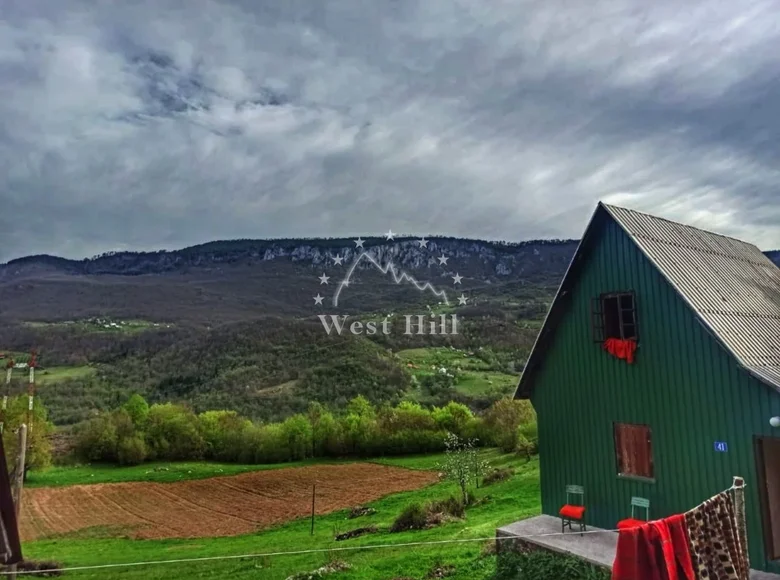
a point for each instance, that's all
(768, 456)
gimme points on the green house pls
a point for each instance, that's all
(698, 400)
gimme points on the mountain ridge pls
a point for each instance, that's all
(248, 250)
(225, 281)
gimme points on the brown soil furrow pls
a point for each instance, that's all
(206, 504)
(221, 506)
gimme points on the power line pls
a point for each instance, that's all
(299, 552)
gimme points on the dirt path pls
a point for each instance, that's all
(219, 506)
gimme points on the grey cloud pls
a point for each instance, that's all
(162, 124)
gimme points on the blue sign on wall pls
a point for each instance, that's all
(721, 446)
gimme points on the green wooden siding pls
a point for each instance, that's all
(683, 384)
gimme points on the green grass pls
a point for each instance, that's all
(424, 358)
(513, 499)
(162, 472)
(482, 383)
(111, 325)
(53, 374)
(475, 379)
(59, 476)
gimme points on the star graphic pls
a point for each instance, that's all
(457, 278)
(389, 235)
(423, 242)
(324, 279)
(462, 300)
(318, 299)
(338, 260)
(359, 242)
(443, 260)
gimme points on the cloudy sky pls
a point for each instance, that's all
(146, 125)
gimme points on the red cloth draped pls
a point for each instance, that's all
(621, 348)
(654, 551)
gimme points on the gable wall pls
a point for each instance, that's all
(683, 384)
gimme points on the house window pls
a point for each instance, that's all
(634, 450)
(614, 316)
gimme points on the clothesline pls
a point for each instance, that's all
(707, 541)
(178, 561)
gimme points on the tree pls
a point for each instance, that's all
(96, 439)
(138, 409)
(461, 463)
(297, 436)
(38, 443)
(173, 433)
(503, 419)
(454, 417)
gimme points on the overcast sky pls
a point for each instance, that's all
(146, 125)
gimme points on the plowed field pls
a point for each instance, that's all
(219, 506)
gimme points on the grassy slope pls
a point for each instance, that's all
(101, 325)
(510, 500)
(158, 472)
(53, 374)
(475, 379)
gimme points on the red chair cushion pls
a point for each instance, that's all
(572, 512)
(629, 523)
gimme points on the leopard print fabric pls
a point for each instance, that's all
(715, 541)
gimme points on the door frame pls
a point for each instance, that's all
(763, 495)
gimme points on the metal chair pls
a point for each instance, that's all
(637, 503)
(573, 512)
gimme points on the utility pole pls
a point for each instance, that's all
(9, 369)
(21, 457)
(19, 480)
(31, 391)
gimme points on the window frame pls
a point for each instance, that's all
(598, 319)
(619, 457)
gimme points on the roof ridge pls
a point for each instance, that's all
(609, 206)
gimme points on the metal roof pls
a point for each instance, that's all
(731, 285)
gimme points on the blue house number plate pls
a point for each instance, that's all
(721, 446)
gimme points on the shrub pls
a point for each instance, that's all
(96, 439)
(271, 447)
(326, 432)
(498, 475)
(138, 410)
(410, 442)
(452, 506)
(504, 418)
(359, 511)
(360, 433)
(131, 450)
(173, 433)
(405, 417)
(222, 432)
(414, 517)
(296, 434)
(122, 423)
(525, 447)
(530, 431)
(356, 533)
(541, 565)
(453, 417)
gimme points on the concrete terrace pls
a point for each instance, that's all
(596, 547)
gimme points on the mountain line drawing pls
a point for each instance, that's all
(398, 278)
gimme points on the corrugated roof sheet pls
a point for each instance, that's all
(732, 286)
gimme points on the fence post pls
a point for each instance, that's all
(313, 493)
